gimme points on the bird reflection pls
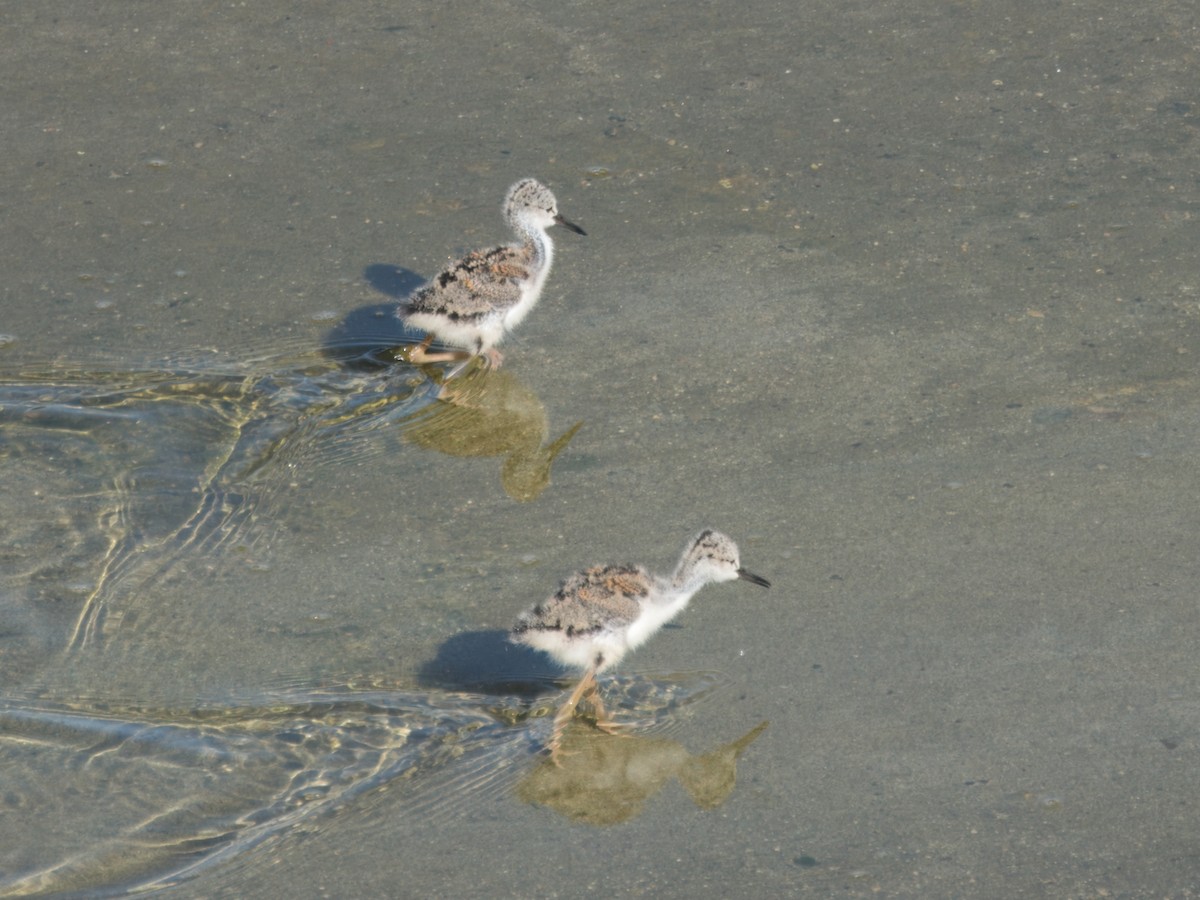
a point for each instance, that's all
(195, 459)
(604, 779)
(489, 412)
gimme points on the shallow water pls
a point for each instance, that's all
(903, 298)
(127, 475)
(118, 798)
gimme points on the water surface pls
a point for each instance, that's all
(901, 297)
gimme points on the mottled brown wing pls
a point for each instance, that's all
(593, 600)
(483, 283)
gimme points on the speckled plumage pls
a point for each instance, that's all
(484, 284)
(571, 625)
(475, 300)
(598, 615)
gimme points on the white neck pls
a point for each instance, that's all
(543, 256)
(687, 578)
(655, 613)
(543, 247)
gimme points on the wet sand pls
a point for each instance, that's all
(905, 300)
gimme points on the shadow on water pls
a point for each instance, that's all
(601, 779)
(118, 477)
(363, 330)
(396, 282)
(486, 662)
(115, 476)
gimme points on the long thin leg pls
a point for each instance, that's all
(419, 355)
(566, 712)
(603, 721)
(492, 357)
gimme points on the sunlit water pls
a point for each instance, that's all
(118, 482)
(118, 797)
(114, 477)
(901, 296)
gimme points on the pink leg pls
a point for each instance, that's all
(566, 712)
(491, 357)
(419, 355)
(603, 721)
